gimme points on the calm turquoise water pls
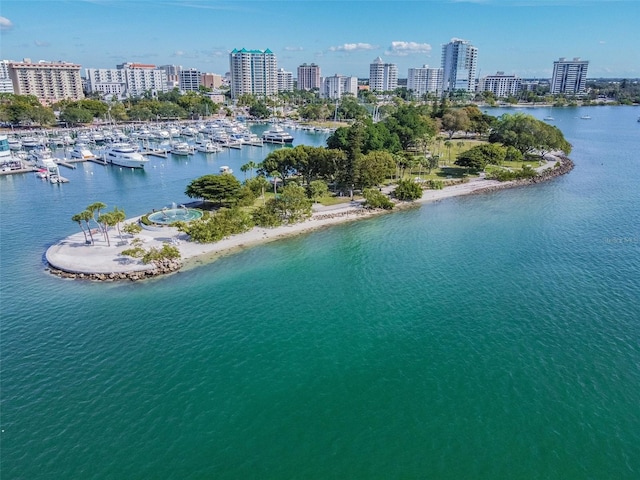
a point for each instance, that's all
(484, 337)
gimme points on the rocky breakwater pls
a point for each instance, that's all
(563, 166)
(159, 267)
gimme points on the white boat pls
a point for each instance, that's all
(207, 146)
(585, 117)
(41, 154)
(125, 155)
(32, 142)
(225, 169)
(82, 152)
(45, 162)
(14, 143)
(181, 148)
(277, 135)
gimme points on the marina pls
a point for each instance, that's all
(68, 147)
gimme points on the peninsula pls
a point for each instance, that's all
(73, 258)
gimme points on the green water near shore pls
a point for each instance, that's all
(491, 336)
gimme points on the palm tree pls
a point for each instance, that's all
(118, 216)
(448, 144)
(275, 175)
(94, 209)
(109, 219)
(86, 215)
(244, 168)
(78, 218)
(252, 166)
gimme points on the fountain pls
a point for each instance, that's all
(168, 216)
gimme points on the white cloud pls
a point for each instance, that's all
(353, 47)
(403, 49)
(293, 49)
(5, 24)
(41, 43)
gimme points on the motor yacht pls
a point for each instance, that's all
(125, 155)
(277, 135)
(82, 152)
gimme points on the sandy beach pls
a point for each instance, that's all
(74, 256)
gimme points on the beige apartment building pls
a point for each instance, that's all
(48, 81)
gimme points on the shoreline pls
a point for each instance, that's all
(72, 258)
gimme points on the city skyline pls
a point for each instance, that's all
(518, 37)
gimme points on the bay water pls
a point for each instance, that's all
(488, 336)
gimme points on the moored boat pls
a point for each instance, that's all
(125, 155)
(277, 135)
(82, 152)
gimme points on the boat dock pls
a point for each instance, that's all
(65, 162)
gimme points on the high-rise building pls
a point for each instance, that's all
(253, 72)
(336, 86)
(425, 80)
(459, 63)
(189, 80)
(500, 85)
(48, 81)
(308, 76)
(127, 80)
(569, 76)
(6, 85)
(285, 81)
(383, 77)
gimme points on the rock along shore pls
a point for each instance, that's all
(72, 258)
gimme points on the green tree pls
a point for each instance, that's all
(317, 189)
(76, 116)
(408, 190)
(455, 120)
(376, 199)
(527, 134)
(478, 157)
(259, 110)
(281, 161)
(223, 189)
(373, 168)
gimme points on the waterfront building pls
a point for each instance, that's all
(383, 77)
(127, 80)
(6, 85)
(190, 80)
(500, 85)
(49, 82)
(425, 80)
(338, 85)
(253, 72)
(308, 77)
(569, 76)
(459, 64)
(285, 81)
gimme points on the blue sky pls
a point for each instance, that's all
(521, 37)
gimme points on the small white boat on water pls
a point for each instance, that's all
(225, 169)
(125, 155)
